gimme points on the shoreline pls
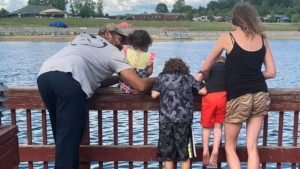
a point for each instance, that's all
(186, 36)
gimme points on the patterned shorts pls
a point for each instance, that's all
(246, 106)
(173, 141)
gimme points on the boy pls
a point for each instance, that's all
(213, 110)
(174, 86)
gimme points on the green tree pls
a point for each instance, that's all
(210, 16)
(296, 2)
(3, 12)
(212, 5)
(263, 10)
(296, 18)
(99, 8)
(85, 8)
(59, 4)
(179, 6)
(161, 8)
(201, 10)
(72, 7)
(188, 8)
(255, 2)
(190, 15)
(272, 17)
(34, 2)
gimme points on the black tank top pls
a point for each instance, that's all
(243, 71)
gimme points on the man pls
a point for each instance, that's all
(68, 78)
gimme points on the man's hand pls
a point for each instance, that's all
(139, 84)
(110, 81)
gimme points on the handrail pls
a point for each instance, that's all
(284, 102)
(283, 99)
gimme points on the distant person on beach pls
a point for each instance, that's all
(213, 111)
(69, 78)
(174, 88)
(247, 49)
(136, 52)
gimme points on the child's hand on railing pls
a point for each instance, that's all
(203, 91)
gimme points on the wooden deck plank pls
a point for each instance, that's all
(268, 154)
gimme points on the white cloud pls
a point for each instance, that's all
(113, 7)
(12, 5)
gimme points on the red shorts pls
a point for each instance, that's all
(213, 108)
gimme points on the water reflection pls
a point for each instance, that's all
(20, 62)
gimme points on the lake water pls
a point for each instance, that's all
(20, 62)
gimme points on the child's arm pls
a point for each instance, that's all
(202, 91)
(154, 94)
(199, 86)
(149, 69)
(150, 64)
(157, 87)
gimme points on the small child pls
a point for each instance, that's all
(138, 56)
(213, 110)
(174, 86)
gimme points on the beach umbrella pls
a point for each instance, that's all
(58, 24)
(125, 25)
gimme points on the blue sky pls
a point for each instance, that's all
(114, 7)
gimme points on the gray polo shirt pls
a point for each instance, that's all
(90, 60)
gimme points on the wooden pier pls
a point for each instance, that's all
(284, 102)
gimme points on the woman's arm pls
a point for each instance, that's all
(210, 60)
(270, 68)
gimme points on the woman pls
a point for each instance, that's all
(248, 99)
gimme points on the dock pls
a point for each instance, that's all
(283, 102)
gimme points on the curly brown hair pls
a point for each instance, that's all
(245, 16)
(176, 64)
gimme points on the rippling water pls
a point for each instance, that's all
(20, 62)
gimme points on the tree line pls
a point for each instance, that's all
(290, 8)
(91, 8)
(82, 8)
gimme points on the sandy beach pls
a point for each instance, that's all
(158, 34)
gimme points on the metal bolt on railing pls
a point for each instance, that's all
(2, 97)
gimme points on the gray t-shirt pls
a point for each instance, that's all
(90, 59)
(176, 97)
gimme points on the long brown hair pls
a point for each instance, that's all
(245, 16)
(176, 64)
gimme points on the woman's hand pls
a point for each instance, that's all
(199, 77)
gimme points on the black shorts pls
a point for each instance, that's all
(173, 141)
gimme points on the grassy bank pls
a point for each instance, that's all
(190, 25)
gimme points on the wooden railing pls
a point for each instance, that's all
(285, 102)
